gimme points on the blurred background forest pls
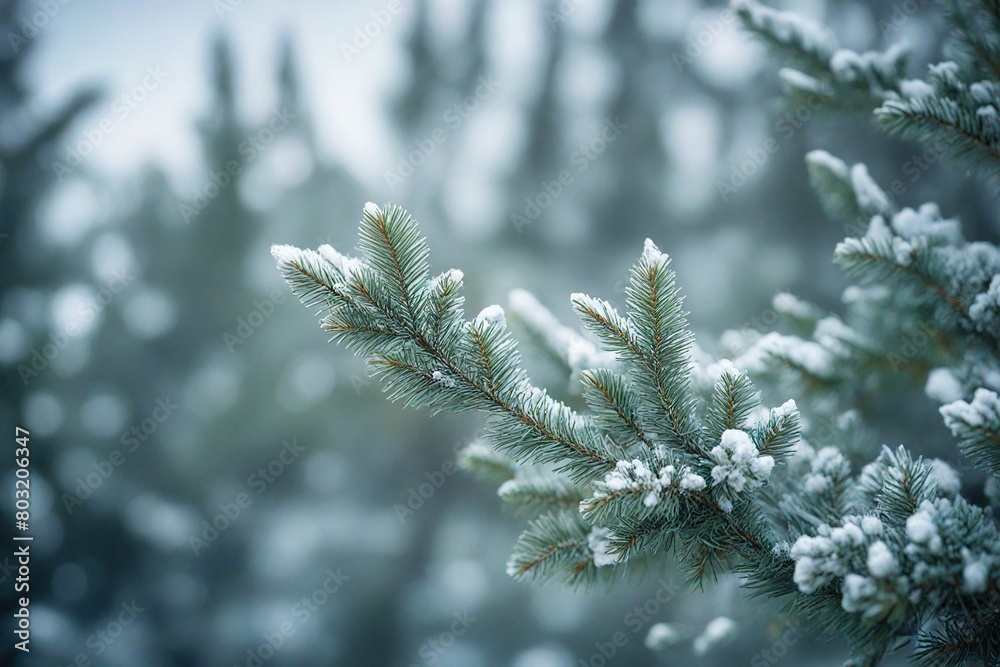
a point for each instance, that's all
(150, 152)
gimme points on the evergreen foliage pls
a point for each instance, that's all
(879, 549)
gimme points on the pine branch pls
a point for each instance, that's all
(977, 426)
(479, 460)
(535, 494)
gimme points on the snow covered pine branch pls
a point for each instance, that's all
(651, 468)
(674, 455)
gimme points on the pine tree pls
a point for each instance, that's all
(675, 456)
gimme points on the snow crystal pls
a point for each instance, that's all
(871, 525)
(717, 631)
(947, 479)
(915, 88)
(881, 562)
(780, 549)
(870, 196)
(372, 210)
(726, 505)
(446, 380)
(652, 254)
(651, 499)
(943, 386)
(491, 315)
(598, 543)
(984, 410)
(988, 111)
(661, 636)
(692, 482)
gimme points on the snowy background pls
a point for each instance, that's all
(166, 376)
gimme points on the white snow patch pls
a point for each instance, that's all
(662, 635)
(446, 380)
(983, 410)
(693, 482)
(881, 562)
(717, 631)
(947, 479)
(285, 254)
(870, 196)
(872, 525)
(943, 386)
(652, 254)
(491, 315)
(598, 543)
(916, 88)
